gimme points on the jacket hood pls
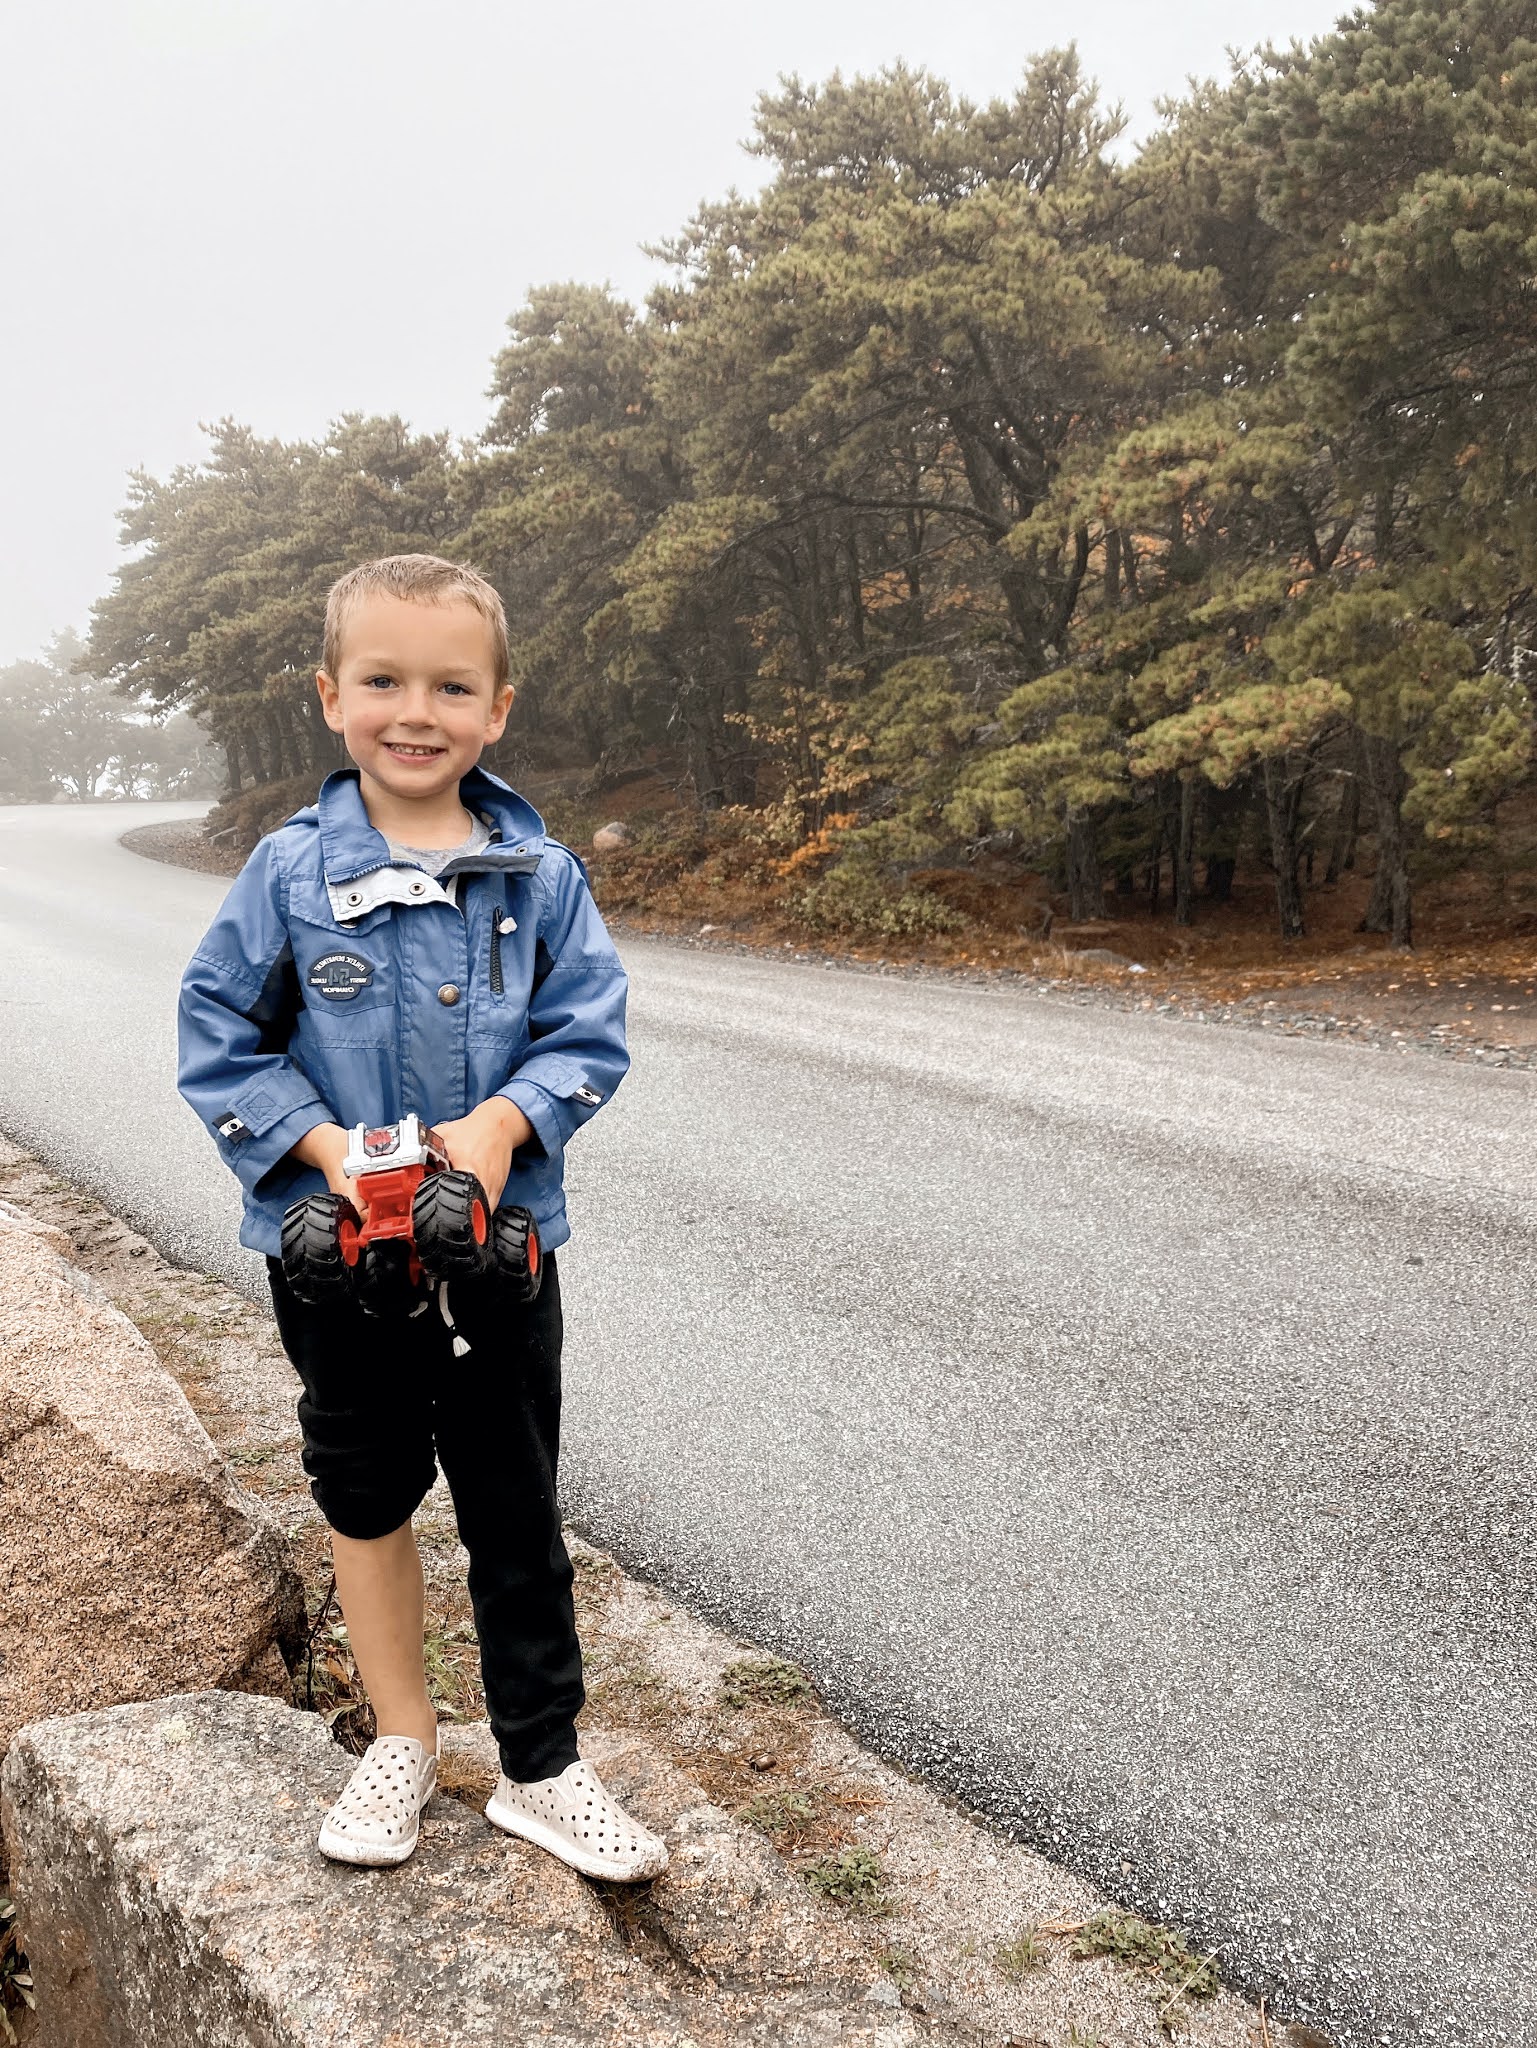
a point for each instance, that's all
(351, 846)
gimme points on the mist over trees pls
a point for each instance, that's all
(971, 490)
(65, 733)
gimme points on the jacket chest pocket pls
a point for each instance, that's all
(345, 974)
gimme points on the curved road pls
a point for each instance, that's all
(1126, 1420)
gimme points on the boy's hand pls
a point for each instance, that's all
(326, 1147)
(483, 1142)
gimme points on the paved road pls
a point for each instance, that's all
(1127, 1421)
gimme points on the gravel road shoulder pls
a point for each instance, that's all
(961, 1919)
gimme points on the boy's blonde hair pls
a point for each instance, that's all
(418, 579)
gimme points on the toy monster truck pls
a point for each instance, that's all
(423, 1221)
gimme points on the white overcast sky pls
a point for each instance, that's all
(287, 209)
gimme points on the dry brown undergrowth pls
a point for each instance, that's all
(1472, 973)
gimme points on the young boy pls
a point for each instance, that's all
(412, 941)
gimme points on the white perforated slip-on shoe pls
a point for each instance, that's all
(378, 1817)
(576, 1819)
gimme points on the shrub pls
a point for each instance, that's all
(855, 899)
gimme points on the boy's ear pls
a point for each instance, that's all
(501, 704)
(330, 699)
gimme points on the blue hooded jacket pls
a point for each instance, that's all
(333, 987)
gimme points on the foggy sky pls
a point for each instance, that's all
(282, 210)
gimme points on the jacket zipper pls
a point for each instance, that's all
(498, 913)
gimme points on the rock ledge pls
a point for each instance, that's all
(132, 1560)
(166, 1855)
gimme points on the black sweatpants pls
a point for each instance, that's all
(384, 1401)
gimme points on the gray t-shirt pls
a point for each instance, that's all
(436, 858)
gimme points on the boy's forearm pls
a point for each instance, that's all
(319, 1146)
(507, 1119)
(326, 1148)
(483, 1143)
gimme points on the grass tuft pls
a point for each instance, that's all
(250, 1455)
(900, 1967)
(764, 1682)
(785, 1816)
(1144, 1946)
(624, 1686)
(451, 1658)
(853, 1878)
(1026, 1952)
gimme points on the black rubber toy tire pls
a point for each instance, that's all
(313, 1264)
(384, 1284)
(443, 1223)
(514, 1235)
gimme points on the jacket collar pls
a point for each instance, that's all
(350, 846)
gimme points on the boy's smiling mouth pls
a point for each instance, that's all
(405, 753)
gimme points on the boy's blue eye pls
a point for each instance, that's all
(388, 682)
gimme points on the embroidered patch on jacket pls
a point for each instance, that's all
(231, 1126)
(339, 976)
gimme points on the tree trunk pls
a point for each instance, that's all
(1283, 800)
(1402, 934)
(1113, 568)
(1085, 889)
(322, 745)
(704, 760)
(1391, 908)
(257, 742)
(1184, 849)
(699, 704)
(1221, 833)
(1347, 823)
(741, 758)
(1166, 815)
(291, 751)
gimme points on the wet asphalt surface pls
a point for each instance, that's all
(1127, 1421)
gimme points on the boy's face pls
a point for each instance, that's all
(415, 698)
